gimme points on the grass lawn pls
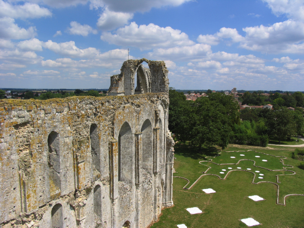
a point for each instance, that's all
(230, 203)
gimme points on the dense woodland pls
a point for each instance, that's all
(218, 120)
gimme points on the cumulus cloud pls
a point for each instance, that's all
(6, 44)
(135, 5)
(78, 29)
(110, 20)
(7, 74)
(147, 36)
(28, 10)
(58, 33)
(294, 9)
(31, 45)
(180, 53)
(10, 30)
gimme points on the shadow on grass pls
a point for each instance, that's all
(194, 152)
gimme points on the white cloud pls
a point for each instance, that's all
(294, 9)
(183, 52)
(27, 10)
(254, 15)
(208, 39)
(6, 44)
(31, 45)
(9, 30)
(7, 74)
(44, 72)
(147, 36)
(78, 29)
(110, 20)
(135, 5)
(210, 64)
(70, 49)
(94, 75)
(170, 64)
(58, 33)
(63, 3)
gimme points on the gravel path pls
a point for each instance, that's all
(301, 145)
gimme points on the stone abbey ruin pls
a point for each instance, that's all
(89, 161)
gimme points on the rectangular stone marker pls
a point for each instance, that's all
(208, 190)
(264, 160)
(256, 198)
(181, 226)
(223, 169)
(257, 156)
(232, 157)
(250, 222)
(194, 210)
(239, 168)
(222, 173)
(261, 177)
(261, 174)
(257, 171)
(242, 155)
(229, 168)
(248, 168)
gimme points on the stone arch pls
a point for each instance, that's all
(125, 153)
(147, 144)
(142, 82)
(57, 217)
(127, 224)
(54, 163)
(97, 203)
(95, 148)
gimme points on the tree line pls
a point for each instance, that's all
(217, 120)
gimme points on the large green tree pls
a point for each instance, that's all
(2, 94)
(281, 124)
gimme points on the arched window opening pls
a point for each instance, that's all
(54, 163)
(141, 79)
(95, 148)
(57, 218)
(147, 144)
(126, 225)
(97, 202)
(125, 153)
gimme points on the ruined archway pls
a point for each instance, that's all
(54, 163)
(142, 80)
(125, 153)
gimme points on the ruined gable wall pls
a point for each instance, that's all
(28, 195)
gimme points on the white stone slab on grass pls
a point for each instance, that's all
(222, 173)
(242, 155)
(257, 171)
(264, 160)
(181, 226)
(250, 222)
(229, 168)
(238, 167)
(232, 156)
(248, 168)
(261, 177)
(257, 156)
(261, 174)
(194, 210)
(223, 169)
(256, 198)
(208, 190)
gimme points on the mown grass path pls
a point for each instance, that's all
(231, 203)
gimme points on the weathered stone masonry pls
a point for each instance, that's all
(86, 161)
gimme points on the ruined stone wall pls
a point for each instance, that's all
(85, 161)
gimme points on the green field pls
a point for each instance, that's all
(230, 203)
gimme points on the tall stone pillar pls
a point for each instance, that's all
(138, 165)
(113, 177)
(155, 169)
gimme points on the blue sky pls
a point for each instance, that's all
(206, 44)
